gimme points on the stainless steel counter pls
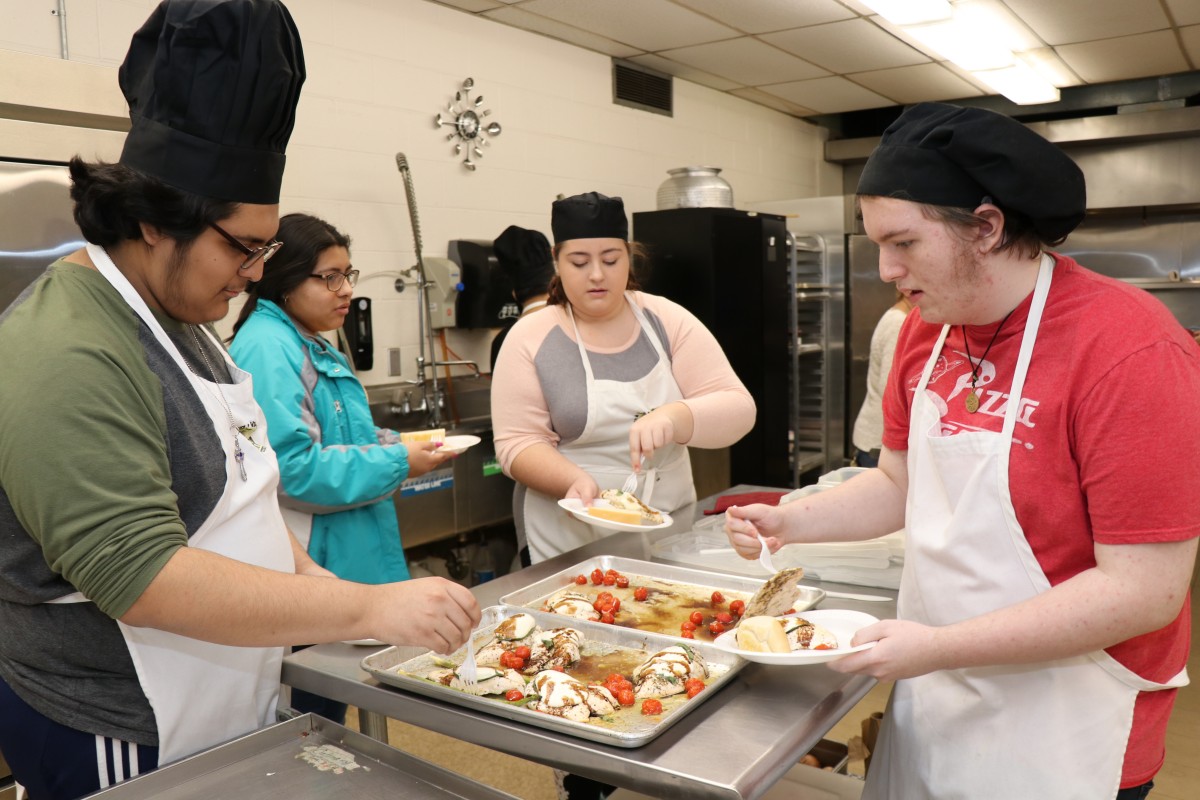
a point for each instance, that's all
(735, 746)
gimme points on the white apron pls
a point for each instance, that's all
(602, 450)
(203, 694)
(1055, 729)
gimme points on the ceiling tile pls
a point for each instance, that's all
(916, 84)
(747, 61)
(473, 6)
(1126, 57)
(771, 101)
(567, 33)
(828, 95)
(760, 16)
(1185, 12)
(1068, 21)
(645, 24)
(855, 45)
(1191, 42)
(654, 61)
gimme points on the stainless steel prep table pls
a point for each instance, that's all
(735, 746)
(306, 757)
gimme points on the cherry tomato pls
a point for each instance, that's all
(687, 625)
(510, 660)
(716, 628)
(790, 611)
(694, 686)
(641, 593)
(581, 579)
(651, 706)
(616, 604)
(522, 652)
(697, 618)
(724, 618)
(625, 697)
(717, 598)
(612, 572)
(597, 576)
(610, 580)
(512, 695)
(604, 596)
(607, 618)
(622, 582)
(687, 634)
(614, 677)
(737, 607)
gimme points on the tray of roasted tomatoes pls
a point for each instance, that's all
(690, 604)
(604, 683)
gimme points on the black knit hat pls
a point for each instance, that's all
(525, 256)
(212, 87)
(950, 156)
(589, 216)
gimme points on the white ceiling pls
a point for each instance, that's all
(815, 57)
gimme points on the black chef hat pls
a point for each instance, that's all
(212, 87)
(589, 216)
(950, 156)
(524, 256)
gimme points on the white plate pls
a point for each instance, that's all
(842, 623)
(458, 444)
(577, 508)
(364, 642)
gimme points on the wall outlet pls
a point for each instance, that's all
(393, 361)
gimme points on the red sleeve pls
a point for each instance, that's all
(913, 346)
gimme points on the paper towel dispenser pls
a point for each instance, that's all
(486, 299)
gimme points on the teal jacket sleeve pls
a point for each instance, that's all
(318, 422)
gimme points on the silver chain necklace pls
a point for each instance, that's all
(238, 455)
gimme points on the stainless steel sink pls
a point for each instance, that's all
(470, 492)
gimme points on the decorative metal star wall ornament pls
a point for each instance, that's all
(467, 121)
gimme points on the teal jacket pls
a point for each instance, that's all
(333, 461)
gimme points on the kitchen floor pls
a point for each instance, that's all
(1179, 778)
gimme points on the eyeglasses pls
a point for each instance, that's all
(333, 280)
(253, 254)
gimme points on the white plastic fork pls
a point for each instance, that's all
(764, 556)
(468, 673)
(631, 482)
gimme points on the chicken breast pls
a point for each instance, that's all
(491, 681)
(805, 635)
(664, 673)
(572, 604)
(563, 696)
(776, 595)
(557, 648)
(517, 630)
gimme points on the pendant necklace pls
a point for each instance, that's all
(972, 401)
(238, 455)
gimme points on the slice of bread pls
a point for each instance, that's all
(616, 514)
(762, 635)
(433, 435)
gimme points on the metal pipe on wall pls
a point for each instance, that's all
(61, 13)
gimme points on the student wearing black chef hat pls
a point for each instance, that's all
(1043, 613)
(147, 582)
(605, 381)
(524, 256)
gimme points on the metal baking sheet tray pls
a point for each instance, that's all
(662, 612)
(628, 727)
(307, 757)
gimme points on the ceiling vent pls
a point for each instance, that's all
(638, 87)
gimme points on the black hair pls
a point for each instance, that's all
(637, 256)
(304, 238)
(112, 200)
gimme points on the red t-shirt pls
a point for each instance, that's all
(1105, 449)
